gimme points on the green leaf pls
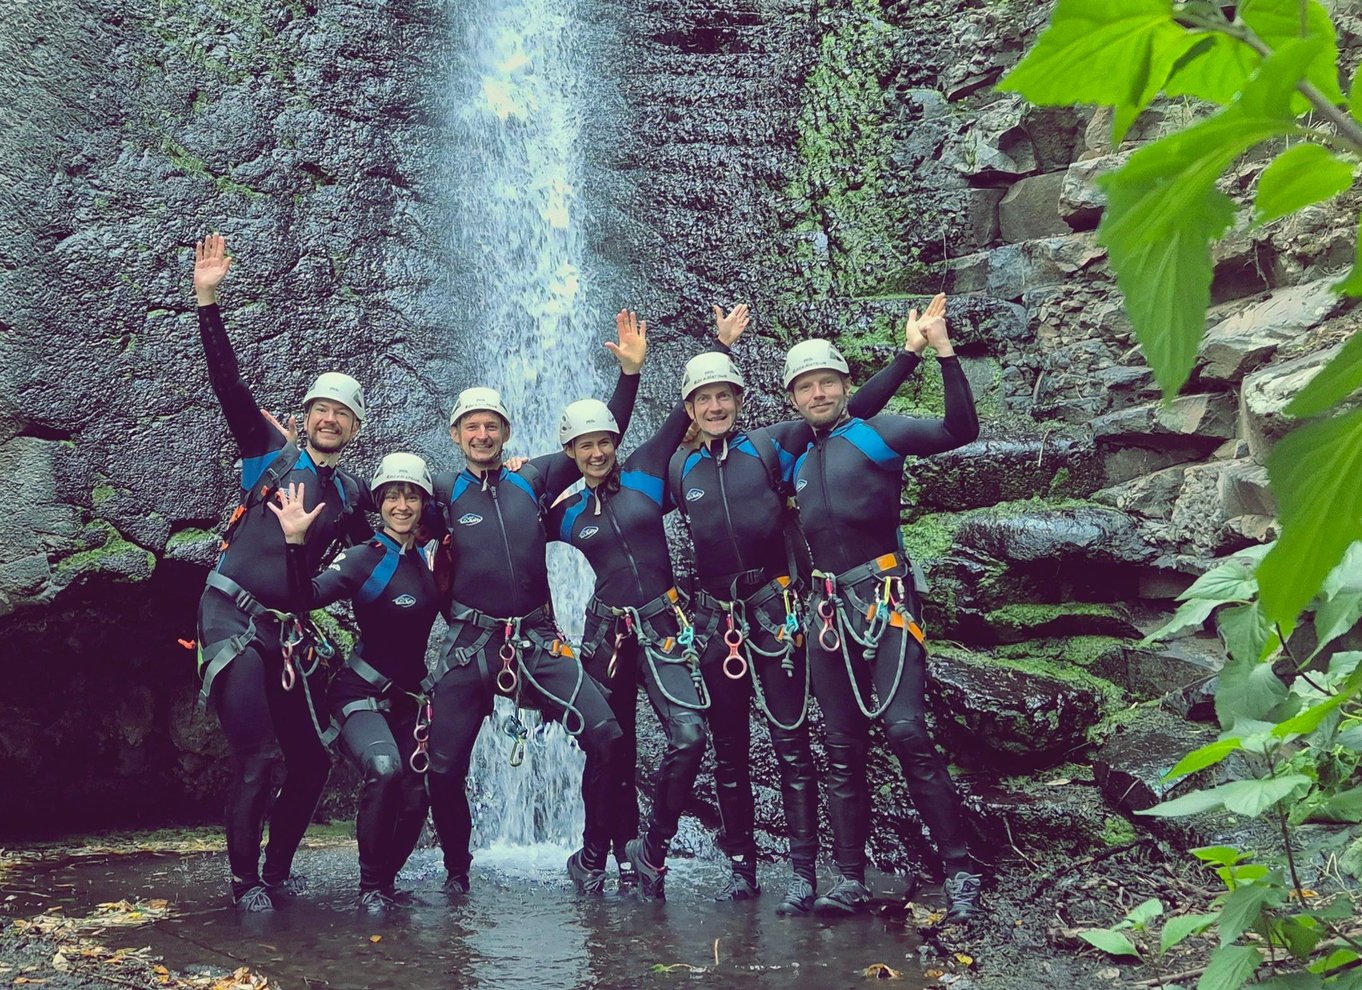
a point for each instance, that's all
(1163, 211)
(1309, 720)
(1345, 806)
(1095, 51)
(1335, 382)
(1231, 581)
(1335, 616)
(1190, 615)
(1300, 934)
(1182, 927)
(1241, 910)
(1203, 757)
(1243, 797)
(1247, 689)
(1350, 738)
(1300, 177)
(1339, 957)
(1291, 981)
(1347, 576)
(1145, 912)
(1230, 968)
(1219, 855)
(1246, 632)
(1109, 941)
(1217, 69)
(1251, 798)
(1314, 471)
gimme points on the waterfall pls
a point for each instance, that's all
(521, 275)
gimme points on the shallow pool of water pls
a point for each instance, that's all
(521, 926)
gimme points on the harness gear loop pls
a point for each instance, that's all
(733, 638)
(425, 712)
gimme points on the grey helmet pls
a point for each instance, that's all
(403, 467)
(586, 416)
(340, 388)
(478, 399)
(813, 355)
(707, 369)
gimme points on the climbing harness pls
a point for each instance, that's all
(749, 622)
(302, 646)
(659, 646)
(844, 606)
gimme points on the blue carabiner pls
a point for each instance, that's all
(686, 637)
(791, 623)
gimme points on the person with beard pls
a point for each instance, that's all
(502, 638)
(636, 628)
(867, 651)
(254, 652)
(376, 698)
(732, 493)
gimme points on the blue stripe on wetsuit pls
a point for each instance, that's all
(642, 482)
(570, 515)
(380, 576)
(522, 484)
(861, 436)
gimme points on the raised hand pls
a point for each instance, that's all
(293, 518)
(633, 341)
(289, 431)
(730, 327)
(918, 330)
(514, 464)
(211, 264)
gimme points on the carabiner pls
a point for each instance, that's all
(507, 679)
(288, 677)
(686, 637)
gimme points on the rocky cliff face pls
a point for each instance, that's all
(829, 163)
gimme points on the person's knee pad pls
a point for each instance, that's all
(688, 737)
(910, 739)
(382, 767)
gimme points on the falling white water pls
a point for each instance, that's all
(522, 305)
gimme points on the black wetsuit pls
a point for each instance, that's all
(735, 511)
(375, 697)
(496, 536)
(631, 630)
(246, 692)
(847, 485)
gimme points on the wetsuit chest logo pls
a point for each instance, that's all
(404, 601)
(589, 532)
(802, 483)
(695, 493)
(470, 519)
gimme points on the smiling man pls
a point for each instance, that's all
(867, 651)
(260, 696)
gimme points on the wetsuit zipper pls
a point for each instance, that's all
(821, 444)
(505, 540)
(628, 554)
(719, 467)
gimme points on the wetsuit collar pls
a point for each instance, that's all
(393, 544)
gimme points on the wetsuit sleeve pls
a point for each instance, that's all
(559, 472)
(342, 579)
(875, 394)
(906, 435)
(253, 434)
(656, 452)
(621, 402)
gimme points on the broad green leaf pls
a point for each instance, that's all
(1314, 472)
(1219, 855)
(1246, 632)
(1346, 663)
(1291, 981)
(1180, 928)
(1203, 757)
(1145, 912)
(1246, 689)
(1300, 934)
(1300, 177)
(1231, 581)
(1217, 70)
(1255, 553)
(1190, 615)
(1345, 806)
(1335, 616)
(1095, 51)
(1335, 382)
(1242, 797)
(1339, 957)
(1230, 968)
(1347, 576)
(1241, 909)
(1163, 211)
(1109, 941)
(1350, 738)
(1309, 720)
(1252, 797)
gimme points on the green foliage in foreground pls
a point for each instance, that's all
(1261, 64)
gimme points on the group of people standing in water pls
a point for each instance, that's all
(801, 590)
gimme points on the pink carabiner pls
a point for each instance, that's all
(507, 679)
(288, 677)
(420, 760)
(733, 639)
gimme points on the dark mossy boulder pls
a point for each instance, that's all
(1012, 715)
(997, 469)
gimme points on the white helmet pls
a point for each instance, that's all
(341, 388)
(478, 399)
(586, 416)
(813, 355)
(402, 467)
(707, 369)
